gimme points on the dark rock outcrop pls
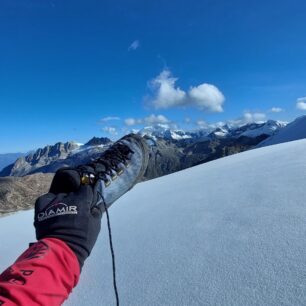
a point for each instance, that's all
(96, 141)
(165, 158)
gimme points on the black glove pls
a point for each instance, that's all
(72, 217)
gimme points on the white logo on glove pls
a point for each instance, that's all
(57, 209)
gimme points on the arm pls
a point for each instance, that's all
(44, 274)
(67, 225)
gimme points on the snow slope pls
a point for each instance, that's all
(293, 131)
(229, 232)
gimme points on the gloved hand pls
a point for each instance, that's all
(72, 217)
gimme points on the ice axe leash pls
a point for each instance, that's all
(90, 179)
(112, 251)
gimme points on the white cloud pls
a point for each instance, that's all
(153, 119)
(301, 103)
(150, 120)
(109, 118)
(276, 110)
(110, 130)
(134, 45)
(207, 97)
(131, 121)
(249, 117)
(218, 124)
(246, 118)
(166, 94)
(202, 124)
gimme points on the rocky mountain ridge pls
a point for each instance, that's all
(41, 157)
(253, 129)
(174, 149)
(8, 158)
(168, 154)
(50, 158)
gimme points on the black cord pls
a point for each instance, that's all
(112, 251)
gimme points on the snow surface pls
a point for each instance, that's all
(229, 232)
(293, 131)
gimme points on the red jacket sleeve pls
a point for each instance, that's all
(44, 274)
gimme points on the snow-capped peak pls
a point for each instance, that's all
(163, 131)
(251, 130)
(221, 131)
(256, 129)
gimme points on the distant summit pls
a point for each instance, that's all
(8, 158)
(268, 128)
(163, 131)
(96, 141)
(39, 158)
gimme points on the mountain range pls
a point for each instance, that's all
(175, 149)
(172, 150)
(50, 158)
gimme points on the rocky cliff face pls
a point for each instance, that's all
(76, 158)
(40, 158)
(165, 158)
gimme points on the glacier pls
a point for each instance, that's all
(228, 232)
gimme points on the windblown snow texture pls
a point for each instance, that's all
(229, 232)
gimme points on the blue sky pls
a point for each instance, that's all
(65, 65)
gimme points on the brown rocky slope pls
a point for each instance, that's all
(18, 193)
